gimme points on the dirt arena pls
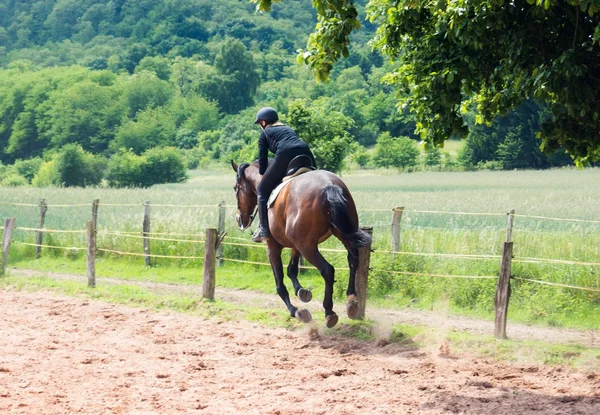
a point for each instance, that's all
(62, 355)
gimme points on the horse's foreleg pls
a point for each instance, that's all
(292, 271)
(328, 272)
(274, 251)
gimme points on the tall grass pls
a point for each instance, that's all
(565, 193)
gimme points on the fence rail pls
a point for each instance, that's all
(215, 239)
(113, 251)
(153, 238)
(557, 284)
(66, 248)
(21, 228)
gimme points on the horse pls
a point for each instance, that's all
(311, 208)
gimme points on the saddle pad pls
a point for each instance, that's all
(285, 181)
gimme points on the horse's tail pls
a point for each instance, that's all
(338, 204)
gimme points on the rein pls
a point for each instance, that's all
(251, 216)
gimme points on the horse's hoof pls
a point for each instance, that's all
(303, 315)
(304, 295)
(353, 310)
(352, 307)
(331, 320)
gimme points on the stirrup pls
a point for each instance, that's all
(260, 235)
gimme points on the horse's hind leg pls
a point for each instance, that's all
(328, 272)
(292, 271)
(352, 306)
(274, 252)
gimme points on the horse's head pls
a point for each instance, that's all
(245, 193)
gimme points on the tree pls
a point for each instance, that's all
(510, 140)
(237, 78)
(158, 165)
(195, 113)
(28, 168)
(153, 127)
(432, 157)
(186, 74)
(494, 53)
(163, 165)
(145, 90)
(84, 112)
(71, 166)
(326, 131)
(158, 65)
(399, 152)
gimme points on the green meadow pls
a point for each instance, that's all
(450, 213)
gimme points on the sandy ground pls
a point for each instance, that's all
(439, 320)
(62, 355)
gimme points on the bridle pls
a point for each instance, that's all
(252, 215)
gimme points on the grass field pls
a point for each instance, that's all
(559, 194)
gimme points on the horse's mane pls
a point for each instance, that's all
(240, 172)
(242, 167)
(269, 161)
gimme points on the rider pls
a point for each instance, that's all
(285, 144)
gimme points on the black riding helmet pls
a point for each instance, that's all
(267, 114)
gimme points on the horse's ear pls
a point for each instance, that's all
(235, 166)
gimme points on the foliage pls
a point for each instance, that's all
(76, 167)
(433, 157)
(13, 180)
(28, 168)
(237, 78)
(71, 166)
(152, 127)
(144, 90)
(361, 156)
(155, 166)
(159, 66)
(83, 112)
(452, 53)
(113, 75)
(47, 175)
(125, 170)
(163, 165)
(195, 157)
(511, 141)
(195, 114)
(399, 152)
(326, 132)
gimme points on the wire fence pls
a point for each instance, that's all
(174, 237)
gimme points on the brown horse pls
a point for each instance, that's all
(314, 206)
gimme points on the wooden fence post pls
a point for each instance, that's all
(6, 240)
(146, 233)
(95, 204)
(362, 274)
(39, 235)
(208, 280)
(221, 231)
(302, 265)
(396, 218)
(91, 254)
(509, 225)
(502, 296)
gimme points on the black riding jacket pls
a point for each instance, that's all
(277, 139)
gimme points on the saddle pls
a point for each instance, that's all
(299, 165)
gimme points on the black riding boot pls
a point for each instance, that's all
(262, 232)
